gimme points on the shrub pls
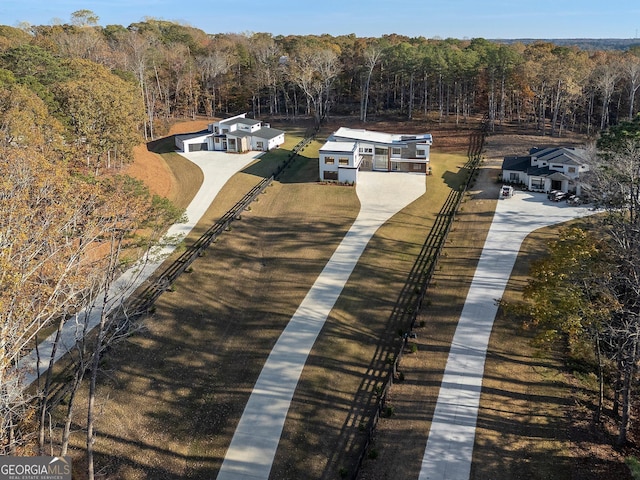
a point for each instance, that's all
(634, 467)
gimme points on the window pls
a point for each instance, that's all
(420, 153)
(514, 177)
(537, 183)
(381, 151)
(329, 160)
(572, 169)
(260, 145)
(343, 161)
(417, 166)
(396, 151)
(368, 150)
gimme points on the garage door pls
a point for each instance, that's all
(197, 147)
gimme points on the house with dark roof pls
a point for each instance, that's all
(546, 169)
(236, 134)
(349, 150)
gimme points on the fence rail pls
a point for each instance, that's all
(407, 305)
(141, 303)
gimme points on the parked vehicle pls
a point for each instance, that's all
(506, 192)
(557, 196)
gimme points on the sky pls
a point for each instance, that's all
(462, 19)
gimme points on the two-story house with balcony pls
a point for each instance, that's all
(546, 169)
(349, 150)
(236, 134)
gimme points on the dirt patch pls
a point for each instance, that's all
(502, 145)
(153, 169)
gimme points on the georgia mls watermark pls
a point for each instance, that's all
(35, 468)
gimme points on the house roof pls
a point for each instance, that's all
(381, 137)
(267, 133)
(239, 134)
(339, 147)
(560, 155)
(247, 121)
(238, 119)
(191, 136)
(519, 164)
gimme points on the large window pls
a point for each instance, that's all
(329, 160)
(396, 152)
(514, 177)
(537, 183)
(343, 161)
(381, 151)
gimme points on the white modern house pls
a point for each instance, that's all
(349, 150)
(236, 134)
(546, 169)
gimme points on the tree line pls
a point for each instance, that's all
(70, 224)
(76, 97)
(181, 71)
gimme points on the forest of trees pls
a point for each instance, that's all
(75, 98)
(181, 71)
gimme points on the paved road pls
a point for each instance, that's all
(218, 168)
(257, 435)
(450, 443)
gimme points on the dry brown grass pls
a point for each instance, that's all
(173, 394)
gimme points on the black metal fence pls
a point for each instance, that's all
(143, 302)
(409, 304)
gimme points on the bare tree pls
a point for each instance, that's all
(605, 78)
(314, 71)
(372, 56)
(211, 67)
(631, 70)
(614, 184)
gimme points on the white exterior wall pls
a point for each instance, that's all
(426, 148)
(276, 141)
(348, 175)
(522, 176)
(327, 168)
(183, 144)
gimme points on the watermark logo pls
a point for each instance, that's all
(35, 468)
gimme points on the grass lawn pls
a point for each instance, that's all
(171, 396)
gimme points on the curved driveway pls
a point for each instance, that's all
(218, 168)
(257, 435)
(450, 443)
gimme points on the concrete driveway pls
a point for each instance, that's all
(218, 168)
(450, 443)
(257, 435)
